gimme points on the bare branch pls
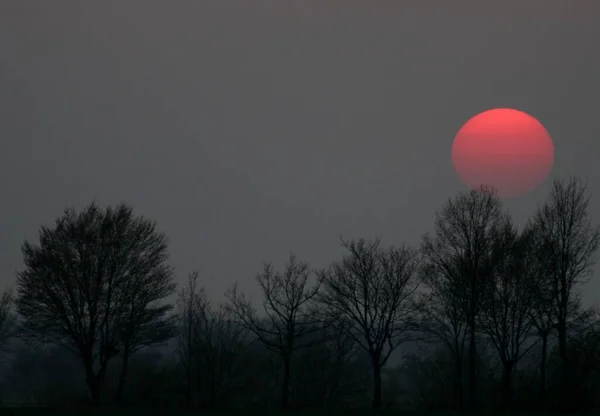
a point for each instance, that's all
(374, 292)
(567, 246)
(460, 257)
(288, 307)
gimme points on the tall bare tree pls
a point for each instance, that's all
(192, 306)
(76, 286)
(569, 242)
(461, 254)
(374, 291)
(506, 315)
(289, 310)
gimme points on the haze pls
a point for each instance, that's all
(251, 130)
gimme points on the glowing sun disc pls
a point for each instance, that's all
(504, 148)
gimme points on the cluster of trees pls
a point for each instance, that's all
(493, 308)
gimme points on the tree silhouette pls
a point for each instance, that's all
(568, 245)
(506, 315)
(374, 291)
(289, 310)
(443, 321)
(192, 305)
(541, 314)
(92, 275)
(461, 254)
(500, 308)
(220, 342)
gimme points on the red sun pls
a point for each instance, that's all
(503, 148)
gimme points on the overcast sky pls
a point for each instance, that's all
(249, 129)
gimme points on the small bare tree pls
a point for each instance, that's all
(192, 307)
(569, 242)
(374, 291)
(220, 342)
(461, 255)
(289, 310)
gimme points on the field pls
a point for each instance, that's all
(22, 411)
(167, 412)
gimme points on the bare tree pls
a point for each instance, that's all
(192, 306)
(220, 342)
(74, 290)
(506, 315)
(289, 308)
(543, 307)
(569, 242)
(461, 255)
(374, 291)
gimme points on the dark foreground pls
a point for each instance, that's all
(22, 411)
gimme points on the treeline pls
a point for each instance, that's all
(494, 310)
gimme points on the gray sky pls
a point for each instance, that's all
(249, 129)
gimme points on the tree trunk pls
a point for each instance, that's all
(227, 382)
(472, 365)
(376, 383)
(213, 386)
(122, 376)
(285, 385)
(94, 386)
(188, 390)
(188, 384)
(507, 384)
(94, 383)
(566, 385)
(458, 384)
(198, 398)
(542, 386)
(94, 380)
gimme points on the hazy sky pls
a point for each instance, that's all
(249, 129)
